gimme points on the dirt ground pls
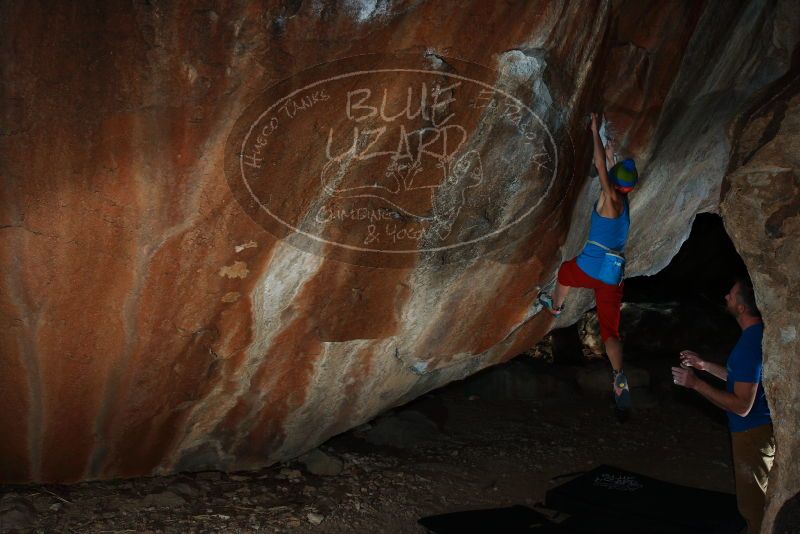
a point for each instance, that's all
(481, 453)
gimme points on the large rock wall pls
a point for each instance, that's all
(149, 324)
(760, 205)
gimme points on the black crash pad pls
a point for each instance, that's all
(608, 499)
(511, 520)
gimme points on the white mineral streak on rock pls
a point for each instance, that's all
(230, 297)
(365, 10)
(249, 244)
(517, 68)
(527, 69)
(288, 272)
(361, 11)
(442, 292)
(340, 395)
(438, 298)
(236, 270)
(325, 399)
(284, 278)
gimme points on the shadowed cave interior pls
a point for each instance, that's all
(502, 437)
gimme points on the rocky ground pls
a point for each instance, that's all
(495, 440)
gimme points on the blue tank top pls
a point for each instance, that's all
(612, 233)
(745, 365)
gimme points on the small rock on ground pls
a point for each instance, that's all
(318, 462)
(315, 519)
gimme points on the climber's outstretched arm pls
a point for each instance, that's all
(600, 161)
(610, 154)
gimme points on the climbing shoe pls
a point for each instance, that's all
(622, 393)
(547, 302)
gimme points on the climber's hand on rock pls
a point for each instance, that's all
(593, 124)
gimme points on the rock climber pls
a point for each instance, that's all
(600, 264)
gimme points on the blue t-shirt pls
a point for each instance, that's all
(744, 365)
(612, 233)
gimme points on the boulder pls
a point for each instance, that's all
(318, 462)
(204, 274)
(17, 514)
(760, 204)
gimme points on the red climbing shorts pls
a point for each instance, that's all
(608, 297)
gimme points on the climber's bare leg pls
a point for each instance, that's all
(614, 351)
(559, 294)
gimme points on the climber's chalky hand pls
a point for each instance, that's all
(593, 125)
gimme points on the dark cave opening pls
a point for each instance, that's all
(703, 269)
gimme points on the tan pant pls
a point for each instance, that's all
(753, 452)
